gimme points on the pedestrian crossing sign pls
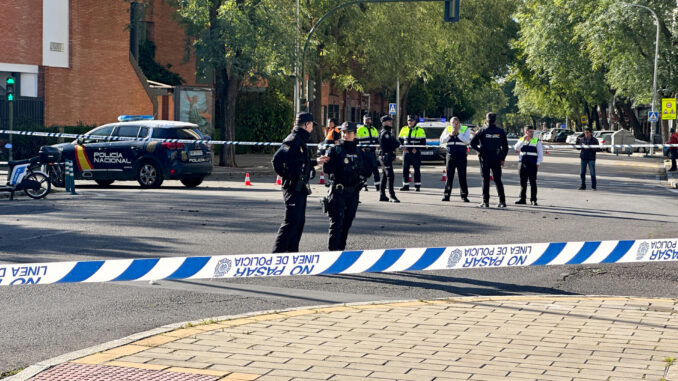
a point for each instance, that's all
(392, 108)
(669, 109)
(653, 116)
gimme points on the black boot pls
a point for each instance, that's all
(382, 197)
(522, 201)
(446, 198)
(405, 187)
(393, 198)
(417, 188)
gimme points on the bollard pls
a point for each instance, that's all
(69, 177)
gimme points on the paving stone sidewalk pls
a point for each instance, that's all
(474, 338)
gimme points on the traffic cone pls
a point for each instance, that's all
(491, 178)
(278, 181)
(410, 179)
(322, 178)
(444, 178)
(247, 180)
(547, 152)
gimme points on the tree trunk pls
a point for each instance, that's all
(620, 115)
(589, 119)
(220, 110)
(603, 116)
(636, 128)
(596, 117)
(232, 87)
(403, 104)
(316, 107)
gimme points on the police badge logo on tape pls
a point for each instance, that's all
(642, 250)
(222, 268)
(454, 258)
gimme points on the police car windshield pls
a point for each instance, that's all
(433, 132)
(186, 133)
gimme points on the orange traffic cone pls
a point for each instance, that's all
(322, 178)
(247, 180)
(278, 181)
(547, 152)
(444, 178)
(410, 179)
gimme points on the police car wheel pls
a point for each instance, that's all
(149, 175)
(104, 183)
(192, 182)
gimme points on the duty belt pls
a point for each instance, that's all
(345, 188)
(530, 153)
(457, 144)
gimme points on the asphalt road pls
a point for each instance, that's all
(224, 217)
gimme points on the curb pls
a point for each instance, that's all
(35, 369)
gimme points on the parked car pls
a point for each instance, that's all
(147, 161)
(550, 135)
(561, 136)
(572, 139)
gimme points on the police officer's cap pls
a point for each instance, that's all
(491, 117)
(349, 127)
(386, 118)
(411, 118)
(304, 117)
(367, 116)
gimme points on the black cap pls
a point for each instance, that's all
(367, 116)
(349, 127)
(386, 118)
(412, 117)
(304, 117)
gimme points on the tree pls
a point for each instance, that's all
(242, 41)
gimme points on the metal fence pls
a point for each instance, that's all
(26, 109)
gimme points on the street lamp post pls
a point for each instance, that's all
(654, 75)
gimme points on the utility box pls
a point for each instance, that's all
(622, 137)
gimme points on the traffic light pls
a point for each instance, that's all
(9, 89)
(311, 90)
(451, 11)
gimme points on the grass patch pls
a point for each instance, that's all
(11, 373)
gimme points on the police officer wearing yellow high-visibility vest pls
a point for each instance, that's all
(531, 154)
(456, 139)
(412, 135)
(368, 135)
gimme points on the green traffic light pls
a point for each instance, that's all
(10, 80)
(10, 97)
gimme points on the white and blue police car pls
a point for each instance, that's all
(100, 157)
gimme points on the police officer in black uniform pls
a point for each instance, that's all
(387, 146)
(348, 168)
(492, 147)
(294, 164)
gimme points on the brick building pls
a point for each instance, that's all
(75, 56)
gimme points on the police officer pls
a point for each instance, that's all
(293, 163)
(348, 167)
(412, 135)
(368, 135)
(456, 138)
(531, 154)
(387, 146)
(492, 147)
(332, 137)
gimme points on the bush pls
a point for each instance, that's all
(263, 117)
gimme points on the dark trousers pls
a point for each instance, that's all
(495, 167)
(412, 160)
(290, 230)
(343, 206)
(387, 174)
(673, 155)
(592, 170)
(372, 156)
(528, 171)
(457, 162)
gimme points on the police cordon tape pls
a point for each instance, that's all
(245, 143)
(342, 262)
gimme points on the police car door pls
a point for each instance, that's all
(88, 152)
(121, 155)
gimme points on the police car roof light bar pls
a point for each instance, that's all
(131, 118)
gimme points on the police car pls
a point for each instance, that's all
(147, 161)
(433, 129)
